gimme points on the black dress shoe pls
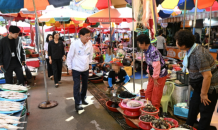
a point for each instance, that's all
(78, 107)
(84, 102)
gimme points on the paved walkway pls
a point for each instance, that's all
(64, 116)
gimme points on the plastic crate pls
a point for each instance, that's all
(213, 50)
(182, 77)
(182, 112)
(2, 81)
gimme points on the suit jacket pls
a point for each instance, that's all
(5, 52)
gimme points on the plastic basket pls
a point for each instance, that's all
(182, 112)
(182, 77)
(2, 81)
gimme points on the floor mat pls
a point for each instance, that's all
(138, 75)
(102, 99)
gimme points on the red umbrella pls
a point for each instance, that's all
(214, 7)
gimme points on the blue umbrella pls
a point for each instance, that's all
(163, 15)
(168, 11)
(189, 4)
(198, 10)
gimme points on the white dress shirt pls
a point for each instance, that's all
(46, 49)
(79, 56)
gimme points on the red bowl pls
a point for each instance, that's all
(132, 109)
(144, 126)
(108, 104)
(123, 108)
(129, 123)
(160, 129)
(174, 121)
(132, 114)
(149, 113)
(147, 122)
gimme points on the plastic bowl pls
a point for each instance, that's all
(108, 104)
(149, 113)
(132, 108)
(147, 122)
(129, 123)
(121, 99)
(172, 120)
(123, 108)
(132, 114)
(144, 126)
(160, 129)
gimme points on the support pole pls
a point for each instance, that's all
(141, 69)
(184, 15)
(47, 104)
(210, 27)
(109, 8)
(194, 23)
(133, 44)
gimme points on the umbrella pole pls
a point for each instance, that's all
(210, 26)
(184, 15)
(194, 23)
(141, 69)
(133, 44)
(110, 29)
(100, 39)
(46, 104)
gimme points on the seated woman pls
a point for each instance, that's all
(116, 76)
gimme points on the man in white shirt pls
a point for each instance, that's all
(161, 42)
(78, 61)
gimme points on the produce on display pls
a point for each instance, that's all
(160, 124)
(11, 95)
(10, 106)
(14, 87)
(186, 126)
(133, 103)
(147, 118)
(10, 127)
(126, 94)
(171, 123)
(125, 101)
(150, 108)
(114, 105)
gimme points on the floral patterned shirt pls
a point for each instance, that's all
(153, 55)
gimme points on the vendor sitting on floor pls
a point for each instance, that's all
(116, 76)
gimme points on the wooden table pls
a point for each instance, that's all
(134, 121)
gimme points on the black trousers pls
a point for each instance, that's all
(161, 51)
(17, 68)
(49, 68)
(79, 96)
(57, 69)
(206, 112)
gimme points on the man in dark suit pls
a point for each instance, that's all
(12, 55)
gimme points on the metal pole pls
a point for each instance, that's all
(133, 44)
(100, 38)
(141, 69)
(210, 27)
(155, 20)
(54, 103)
(184, 15)
(194, 23)
(110, 29)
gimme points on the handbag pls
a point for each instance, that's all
(28, 73)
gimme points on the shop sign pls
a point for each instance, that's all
(181, 54)
(171, 53)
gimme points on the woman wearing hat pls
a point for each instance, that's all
(157, 72)
(116, 76)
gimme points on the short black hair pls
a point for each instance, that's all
(55, 32)
(14, 29)
(143, 38)
(84, 31)
(47, 38)
(160, 32)
(185, 37)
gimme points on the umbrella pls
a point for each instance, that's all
(101, 4)
(189, 4)
(169, 4)
(214, 7)
(204, 4)
(14, 6)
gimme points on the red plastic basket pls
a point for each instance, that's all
(108, 104)
(129, 123)
(33, 63)
(174, 121)
(147, 122)
(160, 129)
(144, 126)
(149, 113)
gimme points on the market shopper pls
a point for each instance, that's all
(49, 66)
(78, 62)
(120, 50)
(12, 55)
(56, 55)
(203, 75)
(157, 72)
(116, 76)
(161, 42)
